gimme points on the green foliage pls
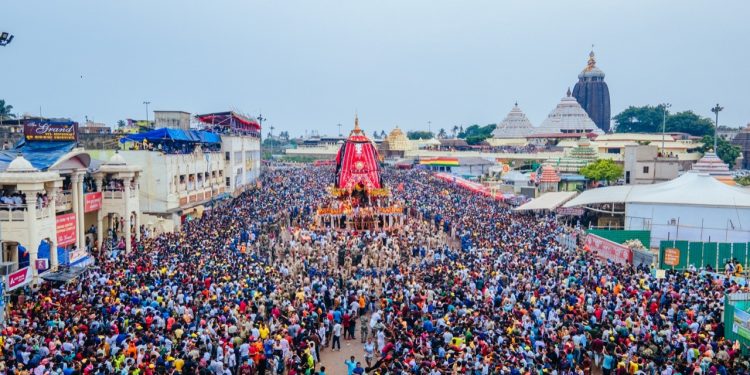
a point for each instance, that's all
(743, 181)
(476, 134)
(602, 169)
(5, 110)
(419, 134)
(272, 142)
(120, 123)
(442, 133)
(727, 152)
(648, 119)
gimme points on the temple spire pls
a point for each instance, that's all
(568, 93)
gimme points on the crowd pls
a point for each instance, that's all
(464, 287)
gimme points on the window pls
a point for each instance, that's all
(645, 169)
(627, 177)
(226, 156)
(229, 182)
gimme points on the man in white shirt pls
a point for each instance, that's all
(336, 341)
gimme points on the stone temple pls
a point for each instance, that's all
(592, 94)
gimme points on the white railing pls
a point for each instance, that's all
(17, 213)
(64, 201)
(112, 194)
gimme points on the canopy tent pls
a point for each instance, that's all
(548, 201)
(175, 135)
(230, 120)
(41, 155)
(691, 188)
(469, 185)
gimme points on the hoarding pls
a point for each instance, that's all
(46, 130)
(66, 229)
(92, 201)
(606, 249)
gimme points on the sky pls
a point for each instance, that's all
(308, 65)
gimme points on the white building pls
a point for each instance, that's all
(241, 161)
(692, 207)
(568, 117)
(514, 125)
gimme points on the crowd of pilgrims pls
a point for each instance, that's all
(465, 286)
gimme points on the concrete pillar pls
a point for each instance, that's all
(80, 224)
(126, 196)
(99, 214)
(137, 210)
(32, 223)
(77, 207)
(53, 261)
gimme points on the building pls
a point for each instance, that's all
(669, 144)
(715, 167)
(568, 117)
(172, 119)
(469, 167)
(240, 145)
(548, 179)
(643, 164)
(395, 144)
(742, 140)
(53, 206)
(692, 207)
(592, 94)
(578, 157)
(514, 125)
(91, 127)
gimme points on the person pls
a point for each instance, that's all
(351, 364)
(369, 348)
(322, 370)
(363, 328)
(336, 340)
(358, 369)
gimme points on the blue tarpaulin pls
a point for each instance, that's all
(175, 135)
(40, 154)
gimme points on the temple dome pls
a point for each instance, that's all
(20, 165)
(514, 125)
(396, 141)
(591, 70)
(711, 164)
(568, 117)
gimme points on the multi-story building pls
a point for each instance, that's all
(172, 119)
(643, 164)
(55, 205)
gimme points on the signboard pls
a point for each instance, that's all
(42, 264)
(46, 130)
(92, 201)
(672, 256)
(569, 211)
(606, 249)
(66, 229)
(19, 278)
(741, 323)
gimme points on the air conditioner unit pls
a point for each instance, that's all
(6, 268)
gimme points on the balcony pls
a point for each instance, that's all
(112, 194)
(11, 213)
(64, 201)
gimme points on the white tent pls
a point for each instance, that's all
(547, 201)
(692, 207)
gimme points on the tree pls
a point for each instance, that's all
(743, 181)
(419, 134)
(120, 123)
(476, 134)
(5, 110)
(727, 152)
(442, 133)
(602, 170)
(649, 119)
(455, 130)
(689, 122)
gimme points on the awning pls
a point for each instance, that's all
(548, 201)
(195, 212)
(65, 274)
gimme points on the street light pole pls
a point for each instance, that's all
(716, 111)
(664, 126)
(339, 125)
(147, 103)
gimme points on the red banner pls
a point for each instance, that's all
(66, 229)
(19, 278)
(92, 201)
(606, 249)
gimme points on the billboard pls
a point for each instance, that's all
(92, 201)
(606, 249)
(741, 323)
(46, 130)
(66, 229)
(19, 278)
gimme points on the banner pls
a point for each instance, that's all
(741, 323)
(46, 130)
(66, 229)
(42, 264)
(19, 278)
(608, 250)
(672, 256)
(92, 201)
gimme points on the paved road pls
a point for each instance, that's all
(334, 360)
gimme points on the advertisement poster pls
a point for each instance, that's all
(19, 278)
(66, 229)
(741, 323)
(51, 131)
(608, 250)
(92, 201)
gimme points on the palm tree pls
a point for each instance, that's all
(455, 130)
(5, 110)
(120, 123)
(442, 133)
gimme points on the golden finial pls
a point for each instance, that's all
(356, 122)
(592, 60)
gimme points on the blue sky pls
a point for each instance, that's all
(309, 65)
